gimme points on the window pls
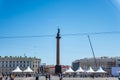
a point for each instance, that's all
(2, 62)
(24, 65)
(13, 65)
(10, 65)
(6, 65)
(2, 65)
(119, 65)
(118, 59)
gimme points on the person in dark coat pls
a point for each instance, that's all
(11, 77)
(37, 77)
(6, 77)
(46, 76)
(1, 76)
(49, 76)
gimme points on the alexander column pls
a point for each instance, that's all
(58, 66)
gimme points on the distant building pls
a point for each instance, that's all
(42, 68)
(105, 62)
(9, 63)
(75, 65)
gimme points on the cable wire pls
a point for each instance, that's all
(74, 34)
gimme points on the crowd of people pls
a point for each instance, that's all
(10, 77)
(36, 77)
(48, 76)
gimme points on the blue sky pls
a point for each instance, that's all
(42, 17)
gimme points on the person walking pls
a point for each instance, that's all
(46, 76)
(6, 77)
(37, 77)
(11, 77)
(1, 77)
(49, 76)
(61, 76)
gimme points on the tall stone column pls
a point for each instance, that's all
(58, 66)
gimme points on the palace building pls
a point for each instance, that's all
(9, 63)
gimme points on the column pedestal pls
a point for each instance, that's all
(58, 69)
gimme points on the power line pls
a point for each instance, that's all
(92, 33)
(11, 37)
(74, 34)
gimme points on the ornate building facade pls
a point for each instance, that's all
(9, 63)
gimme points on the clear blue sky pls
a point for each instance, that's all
(42, 17)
